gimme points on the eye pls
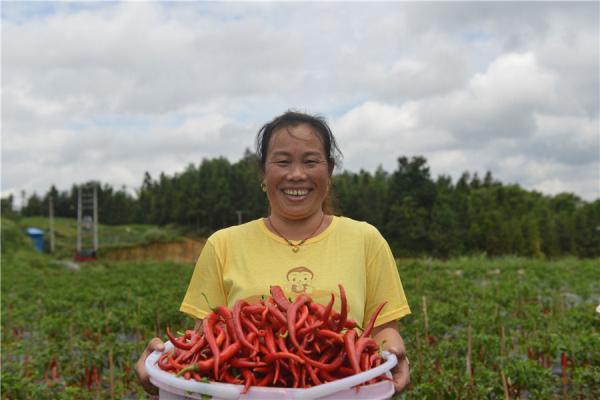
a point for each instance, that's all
(282, 162)
(312, 163)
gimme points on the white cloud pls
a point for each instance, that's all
(497, 103)
(109, 90)
(375, 134)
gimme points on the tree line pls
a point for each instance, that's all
(418, 215)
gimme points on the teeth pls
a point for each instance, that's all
(296, 192)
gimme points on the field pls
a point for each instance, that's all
(479, 329)
(109, 237)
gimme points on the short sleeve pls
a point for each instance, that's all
(207, 278)
(384, 285)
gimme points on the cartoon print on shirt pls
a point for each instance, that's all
(299, 280)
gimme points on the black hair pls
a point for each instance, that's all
(291, 119)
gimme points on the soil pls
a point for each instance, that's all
(184, 251)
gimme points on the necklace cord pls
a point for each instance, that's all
(295, 246)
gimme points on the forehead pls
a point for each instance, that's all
(299, 138)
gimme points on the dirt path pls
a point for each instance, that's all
(185, 251)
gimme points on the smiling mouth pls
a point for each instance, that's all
(295, 192)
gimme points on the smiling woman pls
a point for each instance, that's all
(296, 175)
(300, 245)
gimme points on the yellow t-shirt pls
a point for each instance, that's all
(243, 261)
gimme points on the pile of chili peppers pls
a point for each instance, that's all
(275, 342)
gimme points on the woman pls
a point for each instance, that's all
(300, 246)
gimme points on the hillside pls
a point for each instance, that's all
(121, 242)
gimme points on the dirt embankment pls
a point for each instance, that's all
(184, 251)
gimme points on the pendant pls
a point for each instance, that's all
(295, 248)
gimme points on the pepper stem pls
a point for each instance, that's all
(213, 309)
(192, 367)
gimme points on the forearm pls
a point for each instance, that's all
(198, 326)
(388, 336)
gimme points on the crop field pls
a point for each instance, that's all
(479, 329)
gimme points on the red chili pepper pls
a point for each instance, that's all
(310, 328)
(187, 355)
(271, 331)
(327, 311)
(303, 378)
(208, 365)
(365, 342)
(245, 363)
(227, 317)
(263, 316)
(264, 381)
(179, 342)
(343, 309)
(96, 377)
(283, 355)
(371, 323)
(326, 375)
(336, 363)
(220, 339)
(350, 346)
(246, 322)
(277, 371)
(364, 361)
(349, 324)
(313, 375)
(163, 362)
(345, 371)
(291, 317)
(237, 323)
(273, 310)
(270, 341)
(330, 354)
(228, 378)
(47, 378)
(249, 380)
(337, 337)
(564, 363)
(303, 316)
(208, 326)
(279, 298)
(88, 378)
(253, 309)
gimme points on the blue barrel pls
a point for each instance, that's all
(37, 236)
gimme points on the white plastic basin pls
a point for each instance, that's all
(172, 387)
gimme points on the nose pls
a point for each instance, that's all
(296, 172)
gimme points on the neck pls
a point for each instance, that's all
(298, 229)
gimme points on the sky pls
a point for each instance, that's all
(109, 90)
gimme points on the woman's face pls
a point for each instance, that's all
(296, 172)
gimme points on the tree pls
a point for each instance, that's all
(587, 230)
(6, 206)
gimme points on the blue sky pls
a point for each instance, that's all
(108, 91)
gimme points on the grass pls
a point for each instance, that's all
(109, 237)
(518, 316)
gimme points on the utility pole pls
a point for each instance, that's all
(23, 196)
(79, 219)
(95, 218)
(239, 215)
(87, 221)
(51, 214)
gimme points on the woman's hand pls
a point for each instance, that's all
(401, 372)
(140, 368)
(389, 337)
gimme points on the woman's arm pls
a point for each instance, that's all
(388, 336)
(198, 326)
(155, 344)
